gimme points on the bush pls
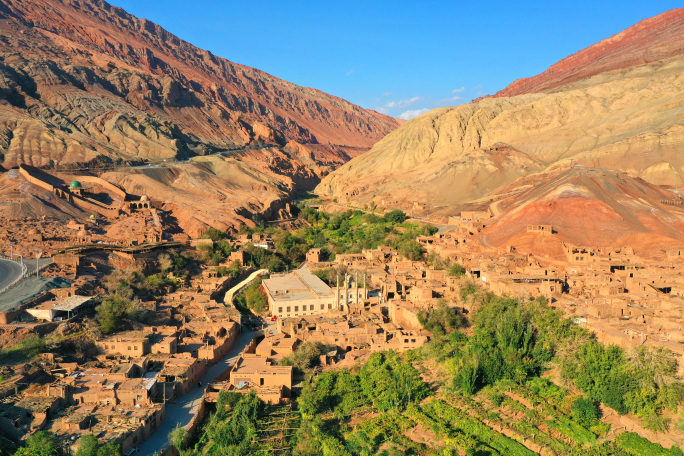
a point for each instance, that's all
(41, 443)
(306, 357)
(442, 319)
(396, 216)
(178, 437)
(111, 313)
(456, 270)
(214, 234)
(585, 412)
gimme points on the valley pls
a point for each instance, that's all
(200, 259)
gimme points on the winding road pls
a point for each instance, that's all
(9, 272)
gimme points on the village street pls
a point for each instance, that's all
(184, 408)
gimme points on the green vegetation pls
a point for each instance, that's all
(89, 446)
(232, 430)
(348, 232)
(41, 443)
(390, 382)
(31, 346)
(306, 357)
(442, 319)
(253, 298)
(114, 310)
(178, 438)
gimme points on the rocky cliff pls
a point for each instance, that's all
(628, 119)
(82, 81)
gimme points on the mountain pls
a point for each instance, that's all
(86, 87)
(83, 81)
(630, 118)
(586, 206)
(650, 40)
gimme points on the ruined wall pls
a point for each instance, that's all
(28, 174)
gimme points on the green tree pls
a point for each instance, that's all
(456, 270)
(111, 313)
(41, 443)
(306, 356)
(585, 411)
(178, 437)
(214, 234)
(109, 449)
(395, 216)
(390, 382)
(87, 445)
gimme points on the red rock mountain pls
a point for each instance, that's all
(650, 40)
(81, 80)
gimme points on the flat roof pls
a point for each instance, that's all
(71, 303)
(298, 284)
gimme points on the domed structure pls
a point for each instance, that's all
(75, 184)
(144, 198)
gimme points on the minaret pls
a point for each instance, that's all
(346, 290)
(337, 292)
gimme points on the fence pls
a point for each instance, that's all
(23, 273)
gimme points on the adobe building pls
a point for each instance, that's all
(61, 309)
(298, 293)
(301, 293)
(255, 372)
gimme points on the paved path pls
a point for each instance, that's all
(228, 298)
(185, 407)
(9, 272)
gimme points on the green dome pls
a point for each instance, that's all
(75, 184)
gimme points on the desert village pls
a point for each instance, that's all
(121, 392)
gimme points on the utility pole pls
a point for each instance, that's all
(37, 268)
(11, 246)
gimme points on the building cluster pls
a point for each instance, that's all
(624, 298)
(120, 393)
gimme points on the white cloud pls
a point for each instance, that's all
(402, 103)
(410, 114)
(458, 90)
(350, 72)
(456, 98)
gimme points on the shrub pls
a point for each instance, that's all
(585, 411)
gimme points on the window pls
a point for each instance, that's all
(311, 307)
(288, 309)
(280, 310)
(261, 381)
(296, 308)
(329, 306)
(129, 347)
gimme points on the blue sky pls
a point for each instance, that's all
(400, 57)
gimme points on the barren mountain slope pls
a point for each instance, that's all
(650, 40)
(587, 206)
(631, 120)
(82, 79)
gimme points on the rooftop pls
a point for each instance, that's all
(71, 303)
(298, 284)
